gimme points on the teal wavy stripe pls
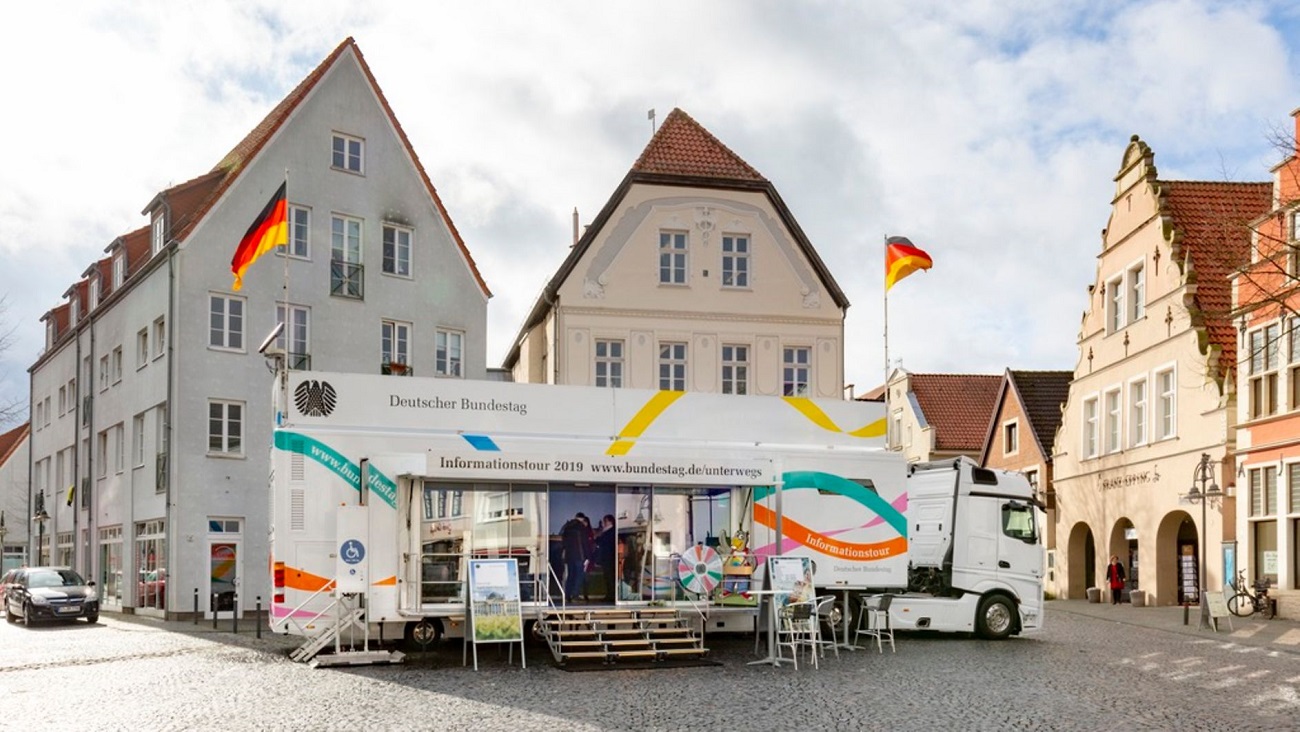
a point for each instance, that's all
(380, 484)
(841, 486)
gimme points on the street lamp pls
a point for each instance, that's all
(40, 518)
(1204, 491)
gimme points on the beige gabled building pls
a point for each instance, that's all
(1153, 389)
(694, 276)
(939, 416)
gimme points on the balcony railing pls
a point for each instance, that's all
(347, 279)
(298, 361)
(395, 368)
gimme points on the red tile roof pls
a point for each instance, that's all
(10, 441)
(1211, 224)
(958, 406)
(683, 147)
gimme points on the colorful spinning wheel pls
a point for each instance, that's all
(699, 569)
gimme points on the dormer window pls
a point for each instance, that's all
(158, 234)
(49, 333)
(94, 292)
(72, 309)
(119, 269)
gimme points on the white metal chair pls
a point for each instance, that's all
(825, 625)
(796, 631)
(873, 622)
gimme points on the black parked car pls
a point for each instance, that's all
(50, 593)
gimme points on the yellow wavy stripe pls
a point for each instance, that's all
(641, 420)
(815, 415)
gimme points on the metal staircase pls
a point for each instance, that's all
(347, 620)
(612, 634)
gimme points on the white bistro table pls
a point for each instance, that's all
(772, 657)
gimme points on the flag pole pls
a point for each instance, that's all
(888, 442)
(288, 338)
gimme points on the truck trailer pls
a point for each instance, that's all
(383, 488)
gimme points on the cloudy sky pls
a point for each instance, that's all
(989, 132)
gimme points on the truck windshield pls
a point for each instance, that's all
(1018, 522)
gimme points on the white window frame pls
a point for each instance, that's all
(347, 247)
(1011, 437)
(674, 258)
(735, 368)
(1262, 481)
(1293, 367)
(398, 264)
(119, 453)
(232, 326)
(1263, 362)
(1091, 434)
(159, 336)
(117, 365)
(1136, 292)
(1138, 401)
(1112, 405)
(101, 454)
(1114, 294)
(119, 268)
(142, 348)
(103, 372)
(796, 371)
(137, 440)
(1166, 422)
(296, 333)
(673, 362)
(348, 153)
(299, 245)
(609, 362)
(449, 353)
(394, 342)
(94, 292)
(157, 233)
(230, 428)
(736, 261)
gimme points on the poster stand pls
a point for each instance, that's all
(1218, 609)
(493, 609)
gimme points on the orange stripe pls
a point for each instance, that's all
(792, 529)
(296, 579)
(387, 582)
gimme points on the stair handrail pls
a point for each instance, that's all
(291, 617)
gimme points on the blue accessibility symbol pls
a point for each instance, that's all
(352, 551)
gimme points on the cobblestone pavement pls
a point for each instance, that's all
(1093, 667)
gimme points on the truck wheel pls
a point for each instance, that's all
(994, 619)
(423, 633)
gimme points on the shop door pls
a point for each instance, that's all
(224, 574)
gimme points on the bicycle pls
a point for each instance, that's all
(1243, 604)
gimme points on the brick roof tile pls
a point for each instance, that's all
(682, 146)
(958, 406)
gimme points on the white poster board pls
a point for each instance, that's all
(494, 610)
(792, 578)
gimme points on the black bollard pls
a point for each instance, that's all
(234, 614)
(196, 606)
(257, 623)
(214, 610)
(1185, 613)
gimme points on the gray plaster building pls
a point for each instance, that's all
(151, 403)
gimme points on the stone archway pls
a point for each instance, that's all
(1081, 562)
(1123, 543)
(1177, 530)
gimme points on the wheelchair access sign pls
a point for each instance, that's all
(352, 551)
(351, 563)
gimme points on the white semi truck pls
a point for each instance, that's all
(383, 487)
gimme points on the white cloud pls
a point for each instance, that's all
(988, 132)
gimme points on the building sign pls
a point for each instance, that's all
(1130, 479)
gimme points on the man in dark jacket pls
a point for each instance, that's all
(605, 556)
(574, 536)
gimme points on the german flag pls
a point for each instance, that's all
(270, 230)
(902, 259)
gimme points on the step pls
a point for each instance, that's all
(683, 651)
(674, 640)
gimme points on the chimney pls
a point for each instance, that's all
(575, 226)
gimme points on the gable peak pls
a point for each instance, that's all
(682, 147)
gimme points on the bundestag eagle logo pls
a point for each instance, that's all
(315, 398)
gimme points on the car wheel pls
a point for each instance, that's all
(9, 614)
(27, 614)
(92, 618)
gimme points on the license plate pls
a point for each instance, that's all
(72, 609)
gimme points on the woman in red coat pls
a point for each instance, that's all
(1115, 578)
